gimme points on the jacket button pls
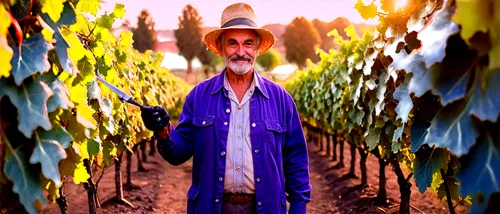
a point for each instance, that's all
(259, 203)
(253, 124)
(203, 122)
(256, 151)
(220, 179)
(258, 179)
(216, 200)
(225, 123)
(228, 110)
(222, 153)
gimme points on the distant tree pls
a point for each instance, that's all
(145, 33)
(269, 59)
(209, 60)
(324, 28)
(189, 35)
(301, 40)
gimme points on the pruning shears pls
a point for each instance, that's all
(124, 97)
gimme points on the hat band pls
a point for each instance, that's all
(239, 21)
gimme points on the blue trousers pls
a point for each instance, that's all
(229, 208)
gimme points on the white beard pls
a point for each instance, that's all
(238, 68)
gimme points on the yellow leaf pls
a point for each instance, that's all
(4, 20)
(84, 116)
(5, 57)
(5, 50)
(80, 175)
(473, 16)
(76, 50)
(53, 8)
(47, 34)
(89, 6)
(78, 94)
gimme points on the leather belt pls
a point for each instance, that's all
(238, 198)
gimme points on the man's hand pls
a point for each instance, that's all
(155, 118)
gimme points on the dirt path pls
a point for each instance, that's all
(162, 189)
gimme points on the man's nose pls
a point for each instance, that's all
(241, 51)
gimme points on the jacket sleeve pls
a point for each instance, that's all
(296, 162)
(178, 148)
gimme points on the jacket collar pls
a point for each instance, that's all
(219, 83)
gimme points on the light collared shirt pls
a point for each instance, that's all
(239, 176)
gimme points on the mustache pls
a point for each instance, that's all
(235, 57)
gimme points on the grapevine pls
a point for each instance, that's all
(421, 90)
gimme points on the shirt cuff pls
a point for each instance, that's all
(297, 208)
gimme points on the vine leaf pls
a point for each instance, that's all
(61, 44)
(26, 183)
(471, 24)
(49, 150)
(373, 138)
(89, 6)
(480, 172)
(434, 36)
(419, 130)
(73, 164)
(486, 102)
(413, 63)
(33, 58)
(53, 8)
(453, 128)
(367, 12)
(427, 162)
(405, 103)
(30, 99)
(5, 50)
(61, 93)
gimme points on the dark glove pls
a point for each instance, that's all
(155, 118)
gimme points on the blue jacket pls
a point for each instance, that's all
(280, 158)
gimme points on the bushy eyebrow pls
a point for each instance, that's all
(246, 41)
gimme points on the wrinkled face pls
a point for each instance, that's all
(239, 49)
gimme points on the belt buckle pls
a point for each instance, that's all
(231, 198)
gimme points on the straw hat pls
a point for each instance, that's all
(239, 16)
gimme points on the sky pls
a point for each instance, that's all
(166, 12)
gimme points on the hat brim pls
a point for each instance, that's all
(267, 38)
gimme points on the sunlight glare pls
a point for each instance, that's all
(401, 4)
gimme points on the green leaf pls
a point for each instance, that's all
(427, 162)
(32, 60)
(93, 146)
(61, 93)
(486, 102)
(473, 16)
(30, 99)
(405, 104)
(53, 8)
(26, 182)
(479, 173)
(373, 138)
(106, 21)
(49, 150)
(68, 16)
(419, 130)
(453, 128)
(453, 186)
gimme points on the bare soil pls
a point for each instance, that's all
(163, 188)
